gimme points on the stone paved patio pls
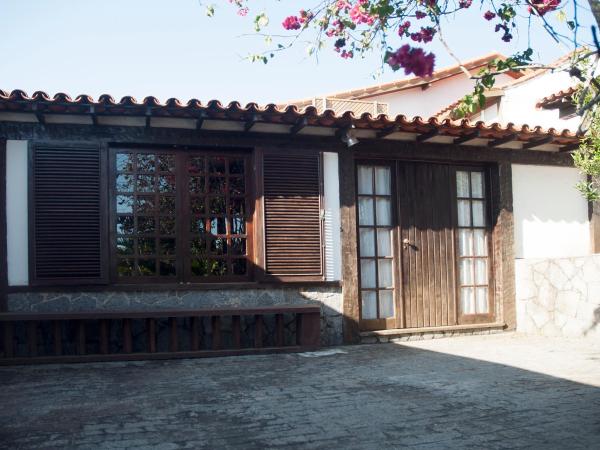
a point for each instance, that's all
(497, 391)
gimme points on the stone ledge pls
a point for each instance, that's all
(410, 334)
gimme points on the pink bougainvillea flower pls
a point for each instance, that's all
(420, 14)
(412, 60)
(543, 6)
(402, 29)
(465, 3)
(489, 15)
(291, 23)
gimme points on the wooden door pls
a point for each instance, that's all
(426, 200)
(424, 245)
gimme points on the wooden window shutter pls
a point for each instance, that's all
(67, 193)
(292, 203)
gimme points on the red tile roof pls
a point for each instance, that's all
(41, 103)
(557, 98)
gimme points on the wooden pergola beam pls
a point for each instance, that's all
(466, 138)
(502, 140)
(569, 147)
(537, 142)
(299, 125)
(250, 122)
(428, 135)
(387, 131)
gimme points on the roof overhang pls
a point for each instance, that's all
(213, 116)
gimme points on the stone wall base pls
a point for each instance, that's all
(329, 298)
(559, 296)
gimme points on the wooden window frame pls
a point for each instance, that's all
(467, 319)
(183, 215)
(389, 322)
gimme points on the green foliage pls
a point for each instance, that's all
(486, 78)
(587, 159)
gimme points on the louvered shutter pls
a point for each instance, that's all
(292, 214)
(67, 196)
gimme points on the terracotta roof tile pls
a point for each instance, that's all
(42, 103)
(558, 97)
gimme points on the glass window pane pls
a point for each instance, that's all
(383, 180)
(145, 162)
(465, 242)
(124, 162)
(124, 204)
(467, 300)
(146, 204)
(145, 183)
(367, 242)
(365, 180)
(125, 267)
(478, 214)
(166, 163)
(480, 243)
(384, 211)
(481, 300)
(367, 273)
(385, 273)
(124, 246)
(369, 304)
(147, 246)
(124, 183)
(466, 271)
(365, 211)
(462, 184)
(167, 268)
(384, 242)
(146, 267)
(386, 304)
(477, 185)
(481, 274)
(464, 213)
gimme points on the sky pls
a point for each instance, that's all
(170, 48)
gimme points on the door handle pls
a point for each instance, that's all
(406, 243)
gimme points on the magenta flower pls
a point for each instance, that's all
(291, 23)
(412, 60)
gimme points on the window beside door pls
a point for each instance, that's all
(375, 223)
(472, 242)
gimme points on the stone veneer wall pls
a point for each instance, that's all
(559, 296)
(330, 299)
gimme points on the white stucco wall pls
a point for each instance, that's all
(16, 213)
(518, 104)
(427, 102)
(332, 225)
(550, 215)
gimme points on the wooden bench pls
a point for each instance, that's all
(31, 338)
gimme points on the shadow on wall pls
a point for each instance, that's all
(372, 396)
(595, 322)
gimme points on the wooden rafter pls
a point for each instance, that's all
(299, 125)
(502, 140)
(466, 137)
(537, 142)
(428, 135)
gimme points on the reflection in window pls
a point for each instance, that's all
(145, 215)
(375, 241)
(472, 242)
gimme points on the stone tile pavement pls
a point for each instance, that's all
(496, 391)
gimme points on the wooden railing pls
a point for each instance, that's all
(30, 338)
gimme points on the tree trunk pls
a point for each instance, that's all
(595, 7)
